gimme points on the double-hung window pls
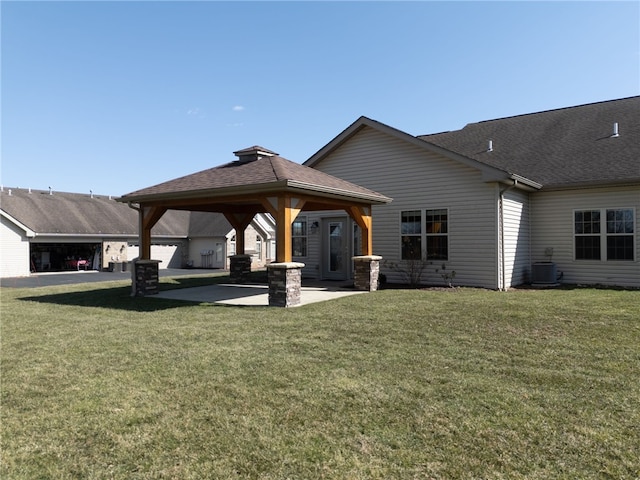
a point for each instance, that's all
(299, 237)
(424, 227)
(604, 234)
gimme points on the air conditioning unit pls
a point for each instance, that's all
(544, 273)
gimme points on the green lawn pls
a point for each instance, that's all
(457, 384)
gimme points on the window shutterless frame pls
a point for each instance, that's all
(604, 234)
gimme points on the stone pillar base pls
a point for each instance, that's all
(366, 272)
(285, 280)
(144, 278)
(240, 268)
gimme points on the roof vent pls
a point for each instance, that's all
(9, 192)
(252, 154)
(490, 147)
(615, 133)
(50, 191)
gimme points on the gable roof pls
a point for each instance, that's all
(74, 214)
(257, 170)
(489, 172)
(553, 149)
(574, 146)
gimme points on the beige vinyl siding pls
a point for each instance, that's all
(517, 249)
(199, 249)
(552, 226)
(170, 255)
(14, 250)
(419, 180)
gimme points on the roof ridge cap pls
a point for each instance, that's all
(550, 110)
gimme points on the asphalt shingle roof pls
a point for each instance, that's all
(557, 148)
(263, 172)
(81, 214)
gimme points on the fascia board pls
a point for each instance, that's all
(337, 193)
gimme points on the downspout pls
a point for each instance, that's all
(503, 268)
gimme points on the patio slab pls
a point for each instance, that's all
(251, 294)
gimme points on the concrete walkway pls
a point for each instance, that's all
(252, 295)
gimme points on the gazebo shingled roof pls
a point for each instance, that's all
(259, 181)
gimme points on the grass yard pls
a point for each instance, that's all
(459, 384)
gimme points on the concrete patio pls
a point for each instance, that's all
(254, 294)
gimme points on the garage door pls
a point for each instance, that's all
(169, 255)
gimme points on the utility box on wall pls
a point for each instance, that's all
(544, 273)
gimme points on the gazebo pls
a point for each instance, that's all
(258, 181)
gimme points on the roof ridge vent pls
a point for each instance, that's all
(615, 133)
(252, 154)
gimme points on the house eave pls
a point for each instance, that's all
(594, 184)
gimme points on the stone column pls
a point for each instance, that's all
(240, 268)
(366, 272)
(144, 278)
(285, 280)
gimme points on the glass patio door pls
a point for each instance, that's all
(335, 249)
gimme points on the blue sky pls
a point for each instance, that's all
(117, 96)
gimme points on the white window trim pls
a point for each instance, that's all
(603, 234)
(423, 232)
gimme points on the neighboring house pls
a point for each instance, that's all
(54, 231)
(491, 201)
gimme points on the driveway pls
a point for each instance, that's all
(41, 279)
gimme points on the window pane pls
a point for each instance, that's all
(620, 247)
(411, 248)
(437, 248)
(410, 223)
(587, 222)
(588, 248)
(436, 221)
(620, 221)
(299, 246)
(299, 227)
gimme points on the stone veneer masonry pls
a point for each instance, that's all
(240, 268)
(366, 272)
(144, 276)
(285, 281)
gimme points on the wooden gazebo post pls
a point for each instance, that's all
(145, 270)
(285, 276)
(366, 266)
(240, 263)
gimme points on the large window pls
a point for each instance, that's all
(434, 233)
(604, 234)
(299, 237)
